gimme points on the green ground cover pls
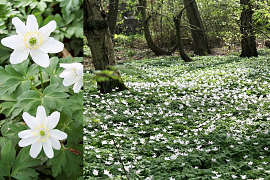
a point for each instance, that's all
(208, 119)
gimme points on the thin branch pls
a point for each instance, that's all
(260, 31)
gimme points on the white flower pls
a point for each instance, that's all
(32, 40)
(234, 176)
(95, 172)
(243, 176)
(41, 133)
(73, 74)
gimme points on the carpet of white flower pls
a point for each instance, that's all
(208, 119)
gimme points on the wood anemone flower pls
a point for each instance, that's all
(73, 74)
(32, 40)
(41, 133)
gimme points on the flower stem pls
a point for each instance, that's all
(41, 80)
(34, 88)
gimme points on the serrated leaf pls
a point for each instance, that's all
(8, 154)
(7, 108)
(74, 131)
(72, 167)
(59, 162)
(60, 101)
(22, 163)
(27, 100)
(21, 67)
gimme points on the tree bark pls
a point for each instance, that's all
(183, 55)
(97, 33)
(199, 37)
(157, 50)
(112, 15)
(248, 40)
(177, 20)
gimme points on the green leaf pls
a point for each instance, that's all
(72, 167)
(8, 154)
(59, 162)
(54, 97)
(74, 131)
(29, 100)
(21, 67)
(77, 106)
(7, 108)
(41, 6)
(69, 5)
(4, 170)
(23, 161)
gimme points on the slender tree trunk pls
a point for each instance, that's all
(112, 15)
(157, 50)
(97, 33)
(200, 41)
(248, 40)
(177, 21)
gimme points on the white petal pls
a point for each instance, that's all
(19, 55)
(27, 141)
(56, 134)
(30, 120)
(25, 134)
(40, 57)
(55, 143)
(79, 69)
(47, 147)
(46, 30)
(41, 115)
(35, 149)
(13, 41)
(53, 120)
(66, 72)
(21, 29)
(50, 45)
(31, 23)
(66, 65)
(77, 86)
(69, 79)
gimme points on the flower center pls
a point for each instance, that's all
(42, 133)
(33, 40)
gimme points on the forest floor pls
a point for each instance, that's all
(142, 52)
(208, 119)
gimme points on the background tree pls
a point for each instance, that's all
(200, 41)
(157, 50)
(248, 40)
(97, 33)
(112, 15)
(177, 20)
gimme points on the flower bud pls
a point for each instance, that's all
(31, 78)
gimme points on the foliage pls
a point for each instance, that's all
(24, 87)
(67, 14)
(210, 120)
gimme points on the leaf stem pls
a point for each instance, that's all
(34, 88)
(41, 80)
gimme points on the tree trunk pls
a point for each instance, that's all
(200, 41)
(179, 43)
(248, 41)
(157, 50)
(183, 55)
(97, 33)
(112, 15)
